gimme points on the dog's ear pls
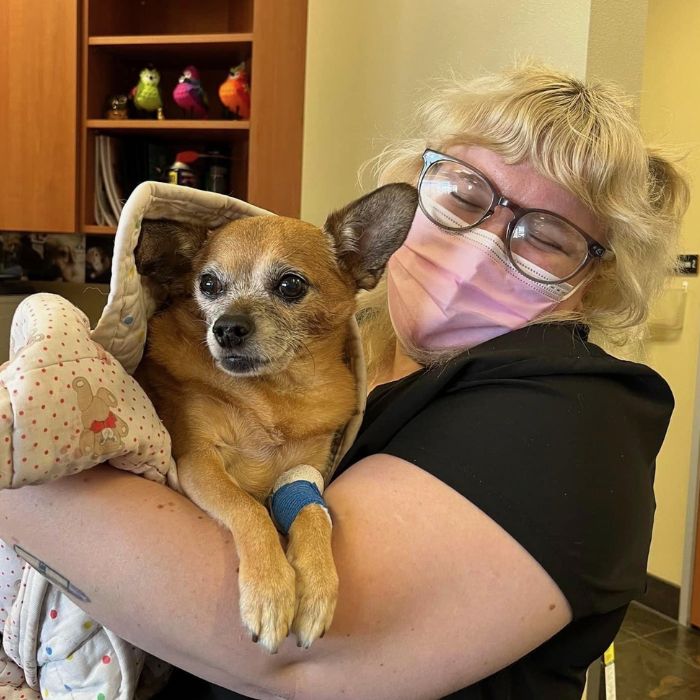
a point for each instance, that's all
(368, 231)
(165, 251)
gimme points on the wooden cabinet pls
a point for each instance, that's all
(62, 59)
(38, 115)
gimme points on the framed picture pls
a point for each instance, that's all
(99, 251)
(52, 257)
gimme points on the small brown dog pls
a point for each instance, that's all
(245, 366)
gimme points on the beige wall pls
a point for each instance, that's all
(616, 42)
(669, 112)
(368, 62)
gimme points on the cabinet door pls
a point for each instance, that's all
(38, 122)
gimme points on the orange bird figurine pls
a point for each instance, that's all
(234, 93)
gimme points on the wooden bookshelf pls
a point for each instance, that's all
(119, 37)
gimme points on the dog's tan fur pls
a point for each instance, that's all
(234, 434)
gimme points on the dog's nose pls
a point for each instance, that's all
(230, 331)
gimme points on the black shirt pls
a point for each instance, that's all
(556, 441)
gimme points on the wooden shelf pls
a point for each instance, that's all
(95, 230)
(189, 125)
(168, 39)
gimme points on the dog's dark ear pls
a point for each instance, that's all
(368, 231)
(165, 251)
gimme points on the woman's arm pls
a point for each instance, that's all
(433, 594)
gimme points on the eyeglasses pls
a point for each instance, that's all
(543, 246)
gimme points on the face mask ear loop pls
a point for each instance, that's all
(588, 278)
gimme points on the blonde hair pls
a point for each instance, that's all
(583, 137)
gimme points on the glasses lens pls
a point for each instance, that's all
(453, 195)
(547, 248)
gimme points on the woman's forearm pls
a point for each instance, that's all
(181, 595)
(434, 595)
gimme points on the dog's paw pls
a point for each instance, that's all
(267, 600)
(316, 597)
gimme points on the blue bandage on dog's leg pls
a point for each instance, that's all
(294, 490)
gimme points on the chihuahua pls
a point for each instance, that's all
(245, 364)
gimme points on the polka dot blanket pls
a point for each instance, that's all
(67, 403)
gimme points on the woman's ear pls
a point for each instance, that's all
(367, 231)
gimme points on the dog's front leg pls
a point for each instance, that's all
(309, 552)
(265, 578)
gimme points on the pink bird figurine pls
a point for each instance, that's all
(189, 95)
(234, 93)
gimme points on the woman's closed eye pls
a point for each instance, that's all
(546, 242)
(466, 202)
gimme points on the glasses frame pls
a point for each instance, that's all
(595, 251)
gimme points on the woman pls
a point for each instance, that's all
(492, 521)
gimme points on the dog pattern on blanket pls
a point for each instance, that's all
(65, 405)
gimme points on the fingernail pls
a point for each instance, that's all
(255, 638)
(323, 634)
(299, 644)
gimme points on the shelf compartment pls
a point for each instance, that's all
(148, 156)
(109, 74)
(203, 50)
(129, 17)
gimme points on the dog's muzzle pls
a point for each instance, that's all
(233, 331)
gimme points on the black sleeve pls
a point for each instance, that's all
(565, 464)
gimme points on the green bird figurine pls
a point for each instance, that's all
(146, 94)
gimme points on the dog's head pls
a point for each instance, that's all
(268, 287)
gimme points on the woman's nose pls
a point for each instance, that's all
(498, 222)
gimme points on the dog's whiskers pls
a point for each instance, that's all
(313, 359)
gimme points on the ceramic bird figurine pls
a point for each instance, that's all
(189, 95)
(234, 93)
(146, 95)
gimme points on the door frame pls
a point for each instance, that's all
(691, 515)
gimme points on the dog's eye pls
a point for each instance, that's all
(292, 287)
(210, 285)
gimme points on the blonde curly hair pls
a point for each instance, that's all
(581, 135)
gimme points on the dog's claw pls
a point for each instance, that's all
(316, 593)
(267, 598)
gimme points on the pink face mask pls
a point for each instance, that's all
(448, 291)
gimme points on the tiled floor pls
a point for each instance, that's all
(656, 658)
